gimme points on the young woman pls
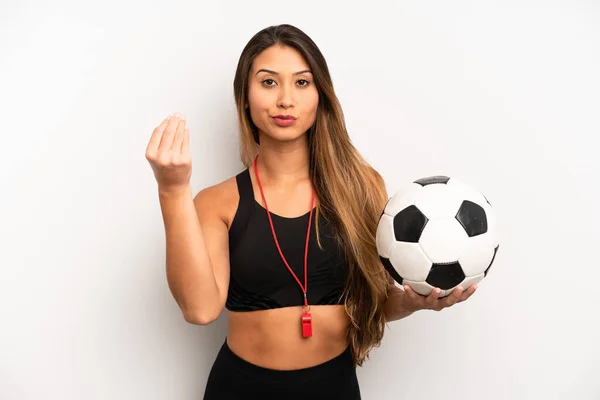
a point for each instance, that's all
(287, 246)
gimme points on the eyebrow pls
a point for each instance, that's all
(268, 71)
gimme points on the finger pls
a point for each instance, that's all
(156, 137)
(414, 297)
(468, 293)
(178, 140)
(411, 293)
(454, 296)
(433, 297)
(169, 135)
(185, 144)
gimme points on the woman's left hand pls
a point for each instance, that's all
(414, 301)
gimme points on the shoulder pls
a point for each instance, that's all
(219, 200)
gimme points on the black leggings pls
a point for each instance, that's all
(231, 377)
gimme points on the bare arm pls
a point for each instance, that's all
(196, 234)
(197, 286)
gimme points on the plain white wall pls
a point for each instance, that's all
(504, 95)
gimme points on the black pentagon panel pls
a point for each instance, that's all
(472, 217)
(390, 268)
(491, 262)
(445, 276)
(409, 224)
(432, 180)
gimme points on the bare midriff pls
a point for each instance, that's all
(273, 338)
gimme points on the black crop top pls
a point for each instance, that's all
(259, 279)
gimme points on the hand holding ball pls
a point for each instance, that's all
(438, 232)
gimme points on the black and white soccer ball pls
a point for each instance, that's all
(437, 232)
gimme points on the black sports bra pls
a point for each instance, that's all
(259, 279)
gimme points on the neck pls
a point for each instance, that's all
(283, 162)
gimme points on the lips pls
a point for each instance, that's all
(284, 120)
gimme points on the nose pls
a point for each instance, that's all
(286, 97)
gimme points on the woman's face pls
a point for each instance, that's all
(282, 96)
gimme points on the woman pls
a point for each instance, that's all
(288, 244)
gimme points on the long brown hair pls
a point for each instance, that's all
(351, 193)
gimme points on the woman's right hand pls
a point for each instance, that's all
(169, 154)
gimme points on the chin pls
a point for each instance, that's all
(285, 134)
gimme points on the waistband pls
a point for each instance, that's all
(343, 361)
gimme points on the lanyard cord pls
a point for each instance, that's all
(305, 286)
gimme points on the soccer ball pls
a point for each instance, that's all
(437, 232)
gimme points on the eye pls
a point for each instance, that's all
(268, 82)
(304, 82)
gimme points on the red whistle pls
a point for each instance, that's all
(306, 324)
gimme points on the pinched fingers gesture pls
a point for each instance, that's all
(168, 153)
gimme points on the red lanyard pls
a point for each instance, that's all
(306, 316)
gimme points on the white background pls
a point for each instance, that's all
(504, 95)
